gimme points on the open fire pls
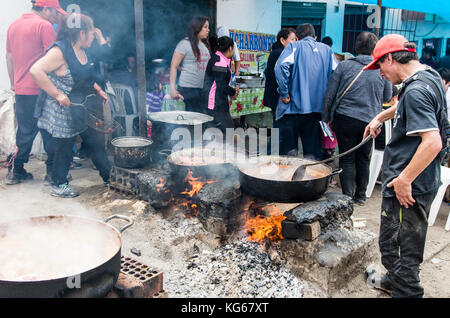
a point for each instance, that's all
(266, 225)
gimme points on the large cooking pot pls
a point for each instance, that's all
(203, 162)
(164, 124)
(59, 256)
(269, 178)
(132, 152)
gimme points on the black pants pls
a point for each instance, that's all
(60, 153)
(349, 133)
(27, 128)
(193, 99)
(308, 128)
(402, 242)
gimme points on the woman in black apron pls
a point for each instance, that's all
(66, 75)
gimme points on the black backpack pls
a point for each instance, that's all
(441, 114)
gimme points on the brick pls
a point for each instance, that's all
(129, 287)
(305, 231)
(161, 294)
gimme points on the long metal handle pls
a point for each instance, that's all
(122, 217)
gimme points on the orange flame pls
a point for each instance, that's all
(195, 184)
(263, 228)
(160, 185)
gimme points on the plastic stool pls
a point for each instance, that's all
(436, 205)
(376, 161)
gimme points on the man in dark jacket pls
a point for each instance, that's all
(411, 167)
(351, 114)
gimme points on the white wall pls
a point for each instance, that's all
(262, 16)
(8, 14)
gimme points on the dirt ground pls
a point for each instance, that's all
(158, 236)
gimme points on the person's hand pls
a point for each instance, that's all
(286, 100)
(236, 88)
(103, 95)
(99, 36)
(403, 191)
(63, 100)
(373, 129)
(176, 95)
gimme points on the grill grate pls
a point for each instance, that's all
(139, 271)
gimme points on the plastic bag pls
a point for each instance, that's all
(8, 125)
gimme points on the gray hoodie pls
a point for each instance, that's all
(364, 99)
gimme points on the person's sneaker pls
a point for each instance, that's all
(106, 184)
(359, 201)
(75, 165)
(63, 191)
(16, 177)
(375, 280)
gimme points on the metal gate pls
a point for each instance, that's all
(392, 21)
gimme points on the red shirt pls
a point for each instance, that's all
(28, 39)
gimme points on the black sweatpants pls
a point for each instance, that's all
(355, 165)
(402, 242)
(193, 99)
(27, 128)
(60, 153)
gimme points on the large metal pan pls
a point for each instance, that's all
(269, 178)
(59, 256)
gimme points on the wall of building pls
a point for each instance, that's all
(262, 16)
(7, 15)
(428, 30)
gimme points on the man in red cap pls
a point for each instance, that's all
(411, 167)
(27, 40)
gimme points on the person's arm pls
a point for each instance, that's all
(283, 72)
(176, 61)
(237, 60)
(330, 95)
(428, 149)
(371, 128)
(50, 62)
(10, 67)
(100, 92)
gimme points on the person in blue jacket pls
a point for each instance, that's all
(302, 73)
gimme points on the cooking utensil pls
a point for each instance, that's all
(93, 119)
(299, 173)
(269, 178)
(59, 256)
(132, 152)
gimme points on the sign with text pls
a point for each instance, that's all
(254, 49)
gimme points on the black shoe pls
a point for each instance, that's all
(16, 177)
(359, 201)
(375, 280)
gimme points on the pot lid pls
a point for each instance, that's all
(181, 118)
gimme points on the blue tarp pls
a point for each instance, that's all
(439, 7)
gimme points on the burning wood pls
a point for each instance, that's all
(195, 184)
(266, 225)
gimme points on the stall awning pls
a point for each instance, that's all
(441, 8)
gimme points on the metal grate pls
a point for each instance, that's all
(137, 270)
(124, 180)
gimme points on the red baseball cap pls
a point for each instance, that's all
(388, 44)
(49, 4)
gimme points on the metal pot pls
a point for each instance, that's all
(164, 124)
(269, 178)
(132, 152)
(200, 162)
(48, 265)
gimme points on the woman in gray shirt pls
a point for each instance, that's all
(193, 54)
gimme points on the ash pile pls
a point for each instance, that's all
(238, 269)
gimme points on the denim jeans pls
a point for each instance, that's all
(308, 128)
(27, 128)
(349, 133)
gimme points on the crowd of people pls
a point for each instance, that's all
(305, 88)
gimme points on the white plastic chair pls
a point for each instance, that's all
(119, 109)
(376, 161)
(436, 205)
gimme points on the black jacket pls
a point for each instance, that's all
(271, 95)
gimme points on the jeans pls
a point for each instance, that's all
(27, 128)
(308, 128)
(349, 133)
(402, 242)
(193, 99)
(60, 154)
